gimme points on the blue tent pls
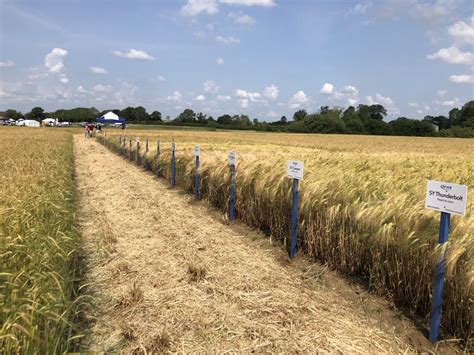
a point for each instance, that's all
(110, 117)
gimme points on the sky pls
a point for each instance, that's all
(262, 58)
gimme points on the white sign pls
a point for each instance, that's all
(172, 146)
(196, 151)
(295, 169)
(232, 156)
(138, 139)
(446, 197)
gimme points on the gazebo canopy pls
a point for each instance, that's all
(110, 117)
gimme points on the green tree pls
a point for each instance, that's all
(224, 119)
(139, 114)
(349, 113)
(37, 113)
(187, 116)
(299, 115)
(155, 116)
(14, 114)
(283, 120)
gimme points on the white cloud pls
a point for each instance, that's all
(361, 8)
(327, 89)
(227, 40)
(433, 12)
(298, 100)
(242, 18)
(200, 98)
(8, 63)
(244, 103)
(220, 61)
(210, 7)
(462, 79)
(442, 92)
(448, 103)
(412, 104)
(463, 32)
(102, 88)
(195, 7)
(349, 89)
(63, 79)
(272, 114)
(453, 55)
(54, 60)
(175, 97)
(271, 92)
(223, 97)
(264, 3)
(252, 96)
(80, 89)
(210, 86)
(161, 78)
(98, 70)
(351, 101)
(134, 54)
(385, 101)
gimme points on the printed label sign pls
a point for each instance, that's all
(295, 169)
(173, 146)
(232, 157)
(138, 139)
(196, 151)
(446, 197)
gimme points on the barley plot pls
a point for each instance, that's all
(361, 205)
(39, 246)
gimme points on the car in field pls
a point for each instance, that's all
(20, 122)
(2, 123)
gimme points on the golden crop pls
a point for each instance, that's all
(361, 204)
(38, 242)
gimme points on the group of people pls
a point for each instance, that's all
(89, 129)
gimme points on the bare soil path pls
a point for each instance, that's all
(169, 274)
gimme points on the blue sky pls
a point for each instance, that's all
(263, 58)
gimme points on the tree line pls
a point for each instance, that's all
(363, 119)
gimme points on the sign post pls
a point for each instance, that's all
(138, 151)
(197, 152)
(130, 148)
(448, 199)
(120, 145)
(173, 167)
(295, 169)
(232, 157)
(146, 154)
(158, 158)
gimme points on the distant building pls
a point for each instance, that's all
(435, 127)
(3, 115)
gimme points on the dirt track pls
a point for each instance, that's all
(170, 274)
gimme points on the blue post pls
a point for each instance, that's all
(437, 300)
(158, 158)
(146, 154)
(232, 193)
(138, 151)
(294, 215)
(131, 152)
(196, 179)
(173, 168)
(120, 145)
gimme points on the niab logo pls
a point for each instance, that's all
(446, 188)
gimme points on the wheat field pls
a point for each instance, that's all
(39, 246)
(361, 204)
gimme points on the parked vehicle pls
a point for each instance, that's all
(2, 123)
(20, 122)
